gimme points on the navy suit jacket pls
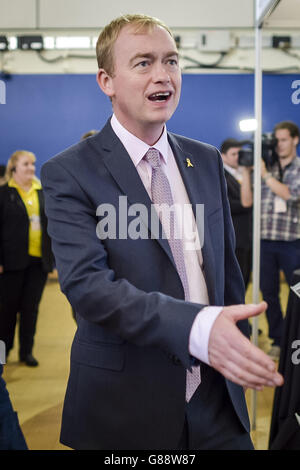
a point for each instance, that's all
(129, 357)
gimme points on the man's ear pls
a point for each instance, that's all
(105, 82)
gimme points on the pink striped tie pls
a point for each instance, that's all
(162, 194)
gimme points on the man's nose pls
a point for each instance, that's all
(161, 74)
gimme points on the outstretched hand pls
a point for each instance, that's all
(234, 356)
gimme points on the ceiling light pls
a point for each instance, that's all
(248, 125)
(68, 42)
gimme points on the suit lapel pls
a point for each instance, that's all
(122, 169)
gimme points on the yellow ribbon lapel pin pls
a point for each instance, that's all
(189, 163)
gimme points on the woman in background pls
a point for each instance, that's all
(25, 253)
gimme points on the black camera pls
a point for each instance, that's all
(268, 151)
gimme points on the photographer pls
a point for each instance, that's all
(280, 225)
(239, 191)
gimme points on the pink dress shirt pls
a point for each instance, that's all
(136, 148)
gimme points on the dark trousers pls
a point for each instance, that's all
(21, 292)
(211, 422)
(276, 256)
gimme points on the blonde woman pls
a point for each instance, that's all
(25, 252)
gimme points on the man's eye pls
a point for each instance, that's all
(173, 62)
(143, 63)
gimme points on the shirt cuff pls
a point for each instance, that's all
(200, 332)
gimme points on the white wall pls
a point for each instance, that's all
(189, 19)
(17, 14)
(46, 14)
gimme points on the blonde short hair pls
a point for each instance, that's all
(11, 164)
(109, 35)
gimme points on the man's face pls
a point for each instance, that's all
(146, 83)
(231, 157)
(286, 144)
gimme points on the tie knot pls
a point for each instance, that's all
(153, 157)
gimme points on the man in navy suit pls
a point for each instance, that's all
(140, 337)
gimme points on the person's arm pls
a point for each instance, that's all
(246, 189)
(280, 189)
(229, 350)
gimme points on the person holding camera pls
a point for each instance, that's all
(240, 197)
(280, 225)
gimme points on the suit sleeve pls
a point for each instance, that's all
(145, 319)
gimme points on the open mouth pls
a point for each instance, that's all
(160, 96)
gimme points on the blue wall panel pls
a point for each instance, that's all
(47, 113)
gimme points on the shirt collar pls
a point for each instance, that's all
(35, 184)
(135, 146)
(292, 163)
(233, 171)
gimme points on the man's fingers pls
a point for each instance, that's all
(242, 312)
(234, 356)
(248, 379)
(237, 375)
(247, 371)
(243, 350)
(256, 367)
